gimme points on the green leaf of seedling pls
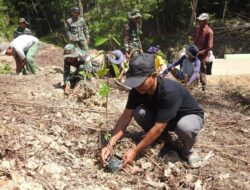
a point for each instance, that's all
(116, 69)
(116, 41)
(99, 41)
(5, 69)
(104, 90)
(82, 73)
(107, 136)
(102, 72)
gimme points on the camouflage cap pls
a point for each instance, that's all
(134, 13)
(75, 9)
(71, 51)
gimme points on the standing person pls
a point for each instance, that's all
(203, 39)
(77, 30)
(24, 48)
(22, 28)
(157, 104)
(209, 63)
(131, 34)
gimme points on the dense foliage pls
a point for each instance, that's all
(105, 17)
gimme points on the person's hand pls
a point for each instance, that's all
(105, 152)
(76, 88)
(129, 157)
(67, 89)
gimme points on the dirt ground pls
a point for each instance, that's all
(51, 141)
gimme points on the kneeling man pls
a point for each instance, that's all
(157, 104)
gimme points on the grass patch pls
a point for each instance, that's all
(5, 69)
(55, 38)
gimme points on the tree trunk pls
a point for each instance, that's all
(158, 25)
(28, 13)
(225, 10)
(64, 22)
(194, 4)
(79, 2)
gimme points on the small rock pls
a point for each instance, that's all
(59, 115)
(224, 176)
(198, 185)
(146, 165)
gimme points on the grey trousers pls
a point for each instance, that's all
(186, 129)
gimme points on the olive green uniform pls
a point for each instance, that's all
(77, 32)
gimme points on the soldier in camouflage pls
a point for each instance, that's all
(131, 34)
(22, 28)
(79, 59)
(77, 30)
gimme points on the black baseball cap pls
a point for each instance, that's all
(192, 50)
(140, 68)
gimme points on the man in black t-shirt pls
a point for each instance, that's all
(157, 104)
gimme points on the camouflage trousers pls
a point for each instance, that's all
(28, 65)
(134, 48)
(82, 44)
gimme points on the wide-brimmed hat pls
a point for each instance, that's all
(22, 20)
(203, 16)
(116, 57)
(140, 68)
(134, 13)
(71, 51)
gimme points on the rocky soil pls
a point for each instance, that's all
(50, 141)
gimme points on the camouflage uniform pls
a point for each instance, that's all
(20, 31)
(131, 34)
(78, 32)
(82, 64)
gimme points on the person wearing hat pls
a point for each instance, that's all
(131, 34)
(73, 56)
(157, 104)
(77, 30)
(190, 67)
(203, 39)
(24, 49)
(115, 57)
(22, 28)
(160, 63)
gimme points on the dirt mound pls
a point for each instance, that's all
(51, 141)
(49, 55)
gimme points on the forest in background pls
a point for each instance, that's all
(164, 21)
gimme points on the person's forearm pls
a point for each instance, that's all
(196, 71)
(150, 137)
(119, 129)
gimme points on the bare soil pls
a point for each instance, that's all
(51, 141)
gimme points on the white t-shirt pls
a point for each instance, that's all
(22, 43)
(210, 57)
